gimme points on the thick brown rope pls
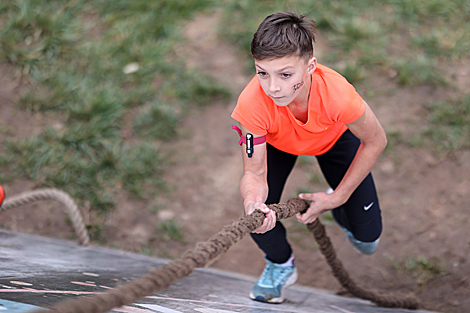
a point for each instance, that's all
(57, 195)
(163, 277)
(326, 248)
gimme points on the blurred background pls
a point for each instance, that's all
(125, 105)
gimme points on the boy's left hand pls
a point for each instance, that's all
(321, 202)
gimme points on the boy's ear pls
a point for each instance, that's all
(312, 65)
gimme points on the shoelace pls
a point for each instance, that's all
(273, 275)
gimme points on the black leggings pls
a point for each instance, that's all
(360, 214)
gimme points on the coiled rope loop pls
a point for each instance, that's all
(162, 277)
(326, 248)
(59, 196)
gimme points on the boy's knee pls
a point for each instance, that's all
(368, 233)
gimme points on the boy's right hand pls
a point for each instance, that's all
(270, 220)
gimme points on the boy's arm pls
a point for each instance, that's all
(373, 141)
(254, 186)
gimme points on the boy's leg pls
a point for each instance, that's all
(360, 215)
(280, 271)
(274, 242)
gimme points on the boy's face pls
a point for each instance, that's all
(283, 79)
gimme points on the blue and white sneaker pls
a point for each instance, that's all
(273, 281)
(366, 248)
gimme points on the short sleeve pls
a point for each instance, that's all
(344, 103)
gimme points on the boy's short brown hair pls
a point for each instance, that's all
(283, 34)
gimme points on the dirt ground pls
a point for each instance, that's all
(425, 246)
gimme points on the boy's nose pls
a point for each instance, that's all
(274, 86)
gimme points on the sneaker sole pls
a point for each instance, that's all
(290, 281)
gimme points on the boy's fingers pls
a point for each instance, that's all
(269, 221)
(263, 208)
(305, 219)
(306, 196)
(272, 216)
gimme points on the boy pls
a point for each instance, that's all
(294, 106)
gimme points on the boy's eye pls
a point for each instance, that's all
(285, 75)
(261, 73)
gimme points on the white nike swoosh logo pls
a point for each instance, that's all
(368, 207)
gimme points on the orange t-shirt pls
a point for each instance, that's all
(333, 103)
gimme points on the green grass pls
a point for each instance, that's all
(96, 232)
(422, 268)
(449, 127)
(414, 39)
(171, 230)
(106, 125)
(72, 54)
(410, 36)
(304, 160)
(327, 218)
(297, 232)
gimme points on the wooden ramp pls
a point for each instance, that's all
(39, 272)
